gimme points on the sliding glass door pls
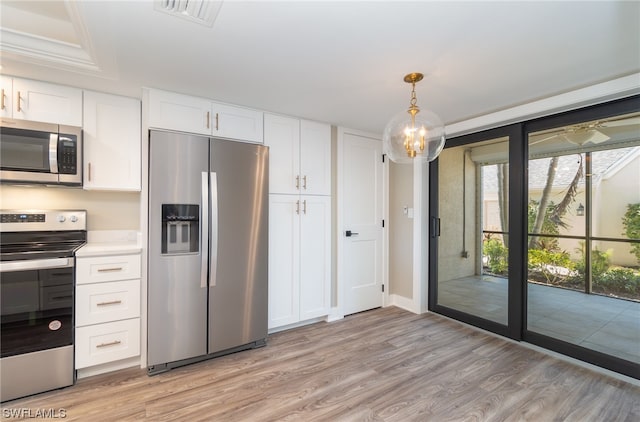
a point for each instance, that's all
(535, 233)
(584, 207)
(471, 230)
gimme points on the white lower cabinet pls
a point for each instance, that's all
(107, 312)
(299, 258)
(104, 343)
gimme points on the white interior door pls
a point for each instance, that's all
(361, 228)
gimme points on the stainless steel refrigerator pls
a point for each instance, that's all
(208, 240)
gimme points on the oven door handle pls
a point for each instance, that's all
(35, 264)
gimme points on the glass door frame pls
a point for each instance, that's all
(513, 329)
(516, 327)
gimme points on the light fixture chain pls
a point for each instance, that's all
(414, 100)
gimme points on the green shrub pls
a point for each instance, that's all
(600, 262)
(553, 266)
(618, 281)
(631, 224)
(548, 226)
(497, 255)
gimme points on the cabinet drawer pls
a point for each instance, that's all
(107, 268)
(102, 343)
(105, 302)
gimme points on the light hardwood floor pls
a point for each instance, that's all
(382, 365)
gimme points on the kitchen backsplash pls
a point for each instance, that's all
(105, 210)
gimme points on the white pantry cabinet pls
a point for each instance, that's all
(112, 142)
(107, 303)
(173, 111)
(299, 258)
(6, 101)
(43, 102)
(299, 155)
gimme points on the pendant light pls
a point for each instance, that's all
(413, 134)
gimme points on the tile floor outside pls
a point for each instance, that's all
(601, 323)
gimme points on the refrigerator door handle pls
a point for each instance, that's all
(204, 230)
(213, 252)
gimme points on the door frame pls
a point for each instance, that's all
(517, 233)
(338, 283)
(516, 328)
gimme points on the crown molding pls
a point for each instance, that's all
(45, 51)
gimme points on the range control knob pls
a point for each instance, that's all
(73, 218)
(62, 218)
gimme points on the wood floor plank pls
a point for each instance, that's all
(383, 365)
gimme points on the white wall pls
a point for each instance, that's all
(613, 195)
(105, 210)
(400, 230)
(451, 264)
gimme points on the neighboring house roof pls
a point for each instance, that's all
(601, 163)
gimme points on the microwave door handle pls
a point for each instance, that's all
(53, 153)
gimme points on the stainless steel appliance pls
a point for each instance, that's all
(34, 152)
(37, 260)
(208, 240)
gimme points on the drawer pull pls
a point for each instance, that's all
(111, 343)
(109, 270)
(113, 302)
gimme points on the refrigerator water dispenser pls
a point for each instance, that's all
(180, 228)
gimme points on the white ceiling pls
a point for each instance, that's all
(339, 62)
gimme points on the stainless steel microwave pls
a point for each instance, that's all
(34, 152)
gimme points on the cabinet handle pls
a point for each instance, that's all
(111, 343)
(19, 105)
(3, 107)
(112, 302)
(109, 270)
(208, 119)
(304, 182)
(89, 172)
(216, 121)
(304, 206)
(298, 182)
(298, 207)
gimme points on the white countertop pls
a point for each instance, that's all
(110, 242)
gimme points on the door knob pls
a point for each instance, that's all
(349, 233)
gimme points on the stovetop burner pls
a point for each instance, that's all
(28, 235)
(39, 251)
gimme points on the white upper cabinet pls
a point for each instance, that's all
(169, 110)
(282, 136)
(6, 84)
(315, 158)
(45, 102)
(237, 123)
(112, 142)
(299, 155)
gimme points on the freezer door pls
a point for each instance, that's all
(238, 272)
(177, 286)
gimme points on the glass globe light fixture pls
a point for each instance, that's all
(413, 134)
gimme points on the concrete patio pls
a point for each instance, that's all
(601, 323)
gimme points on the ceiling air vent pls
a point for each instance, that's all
(203, 12)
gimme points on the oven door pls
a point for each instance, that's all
(36, 305)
